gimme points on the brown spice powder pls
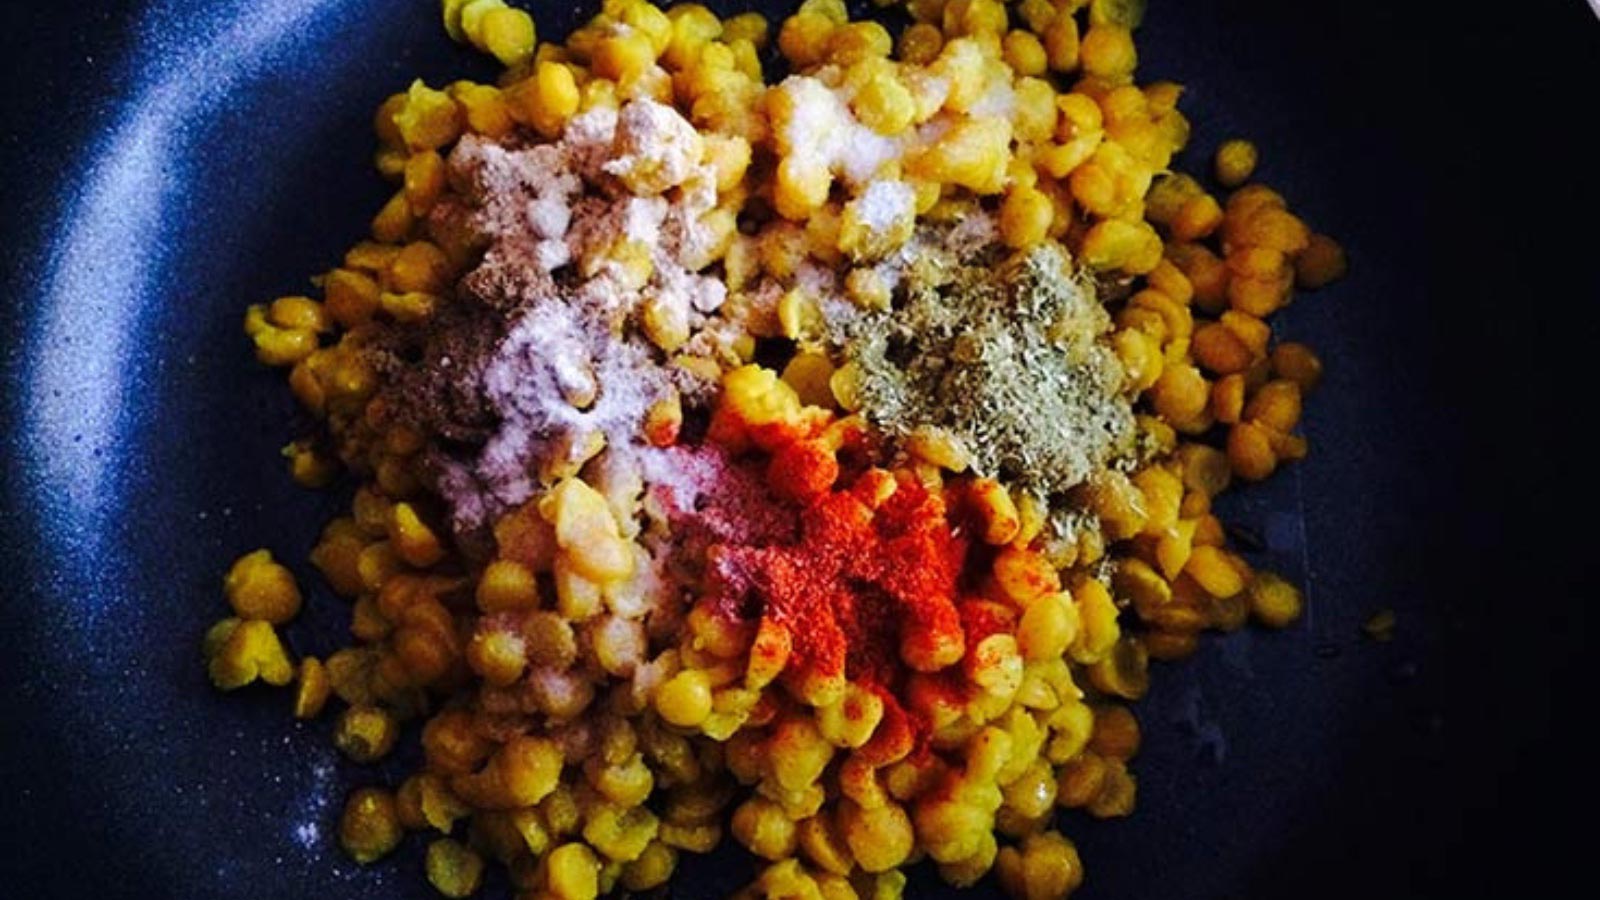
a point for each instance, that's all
(537, 359)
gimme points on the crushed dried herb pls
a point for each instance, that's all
(1009, 359)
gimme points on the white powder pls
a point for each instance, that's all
(642, 218)
(822, 128)
(655, 148)
(999, 100)
(839, 311)
(647, 677)
(816, 115)
(686, 473)
(587, 140)
(705, 489)
(551, 355)
(885, 203)
(818, 281)
(572, 372)
(684, 226)
(308, 832)
(526, 193)
(863, 152)
(647, 590)
(550, 213)
(687, 290)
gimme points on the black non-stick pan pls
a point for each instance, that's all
(167, 163)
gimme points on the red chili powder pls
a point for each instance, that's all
(856, 580)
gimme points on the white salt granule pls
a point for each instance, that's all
(999, 101)
(823, 129)
(886, 203)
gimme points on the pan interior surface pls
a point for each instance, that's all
(223, 152)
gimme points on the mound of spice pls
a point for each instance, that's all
(1009, 361)
(869, 584)
(560, 342)
(847, 573)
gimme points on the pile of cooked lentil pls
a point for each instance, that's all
(818, 461)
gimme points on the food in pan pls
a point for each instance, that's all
(816, 459)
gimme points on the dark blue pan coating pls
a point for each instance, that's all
(167, 165)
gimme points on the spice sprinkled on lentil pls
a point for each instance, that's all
(1008, 359)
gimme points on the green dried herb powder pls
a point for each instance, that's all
(1010, 359)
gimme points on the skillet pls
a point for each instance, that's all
(171, 162)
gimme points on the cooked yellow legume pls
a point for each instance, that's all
(369, 829)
